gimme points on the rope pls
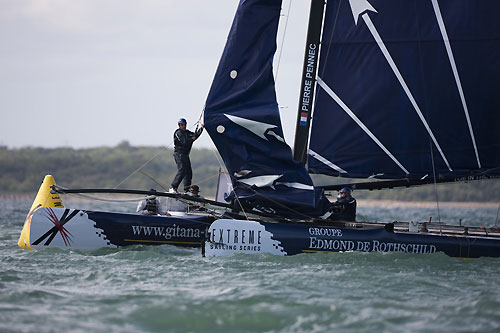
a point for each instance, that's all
(152, 158)
(270, 200)
(91, 197)
(142, 166)
(201, 115)
(223, 166)
(153, 179)
(280, 204)
(161, 185)
(206, 180)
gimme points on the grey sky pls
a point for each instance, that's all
(88, 73)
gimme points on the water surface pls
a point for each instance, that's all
(169, 289)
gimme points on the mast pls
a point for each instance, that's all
(311, 57)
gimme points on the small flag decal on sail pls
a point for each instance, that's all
(303, 119)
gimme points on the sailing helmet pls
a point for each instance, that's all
(346, 190)
(152, 198)
(182, 121)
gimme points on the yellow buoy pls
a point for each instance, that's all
(43, 199)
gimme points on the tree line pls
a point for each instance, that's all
(123, 166)
(129, 167)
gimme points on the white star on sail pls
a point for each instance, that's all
(269, 181)
(260, 181)
(361, 7)
(255, 127)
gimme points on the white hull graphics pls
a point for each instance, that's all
(76, 229)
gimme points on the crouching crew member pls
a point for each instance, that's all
(344, 209)
(150, 206)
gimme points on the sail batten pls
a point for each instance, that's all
(402, 81)
(453, 65)
(351, 114)
(326, 162)
(422, 75)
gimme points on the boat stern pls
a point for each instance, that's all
(43, 199)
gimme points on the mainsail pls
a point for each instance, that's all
(408, 89)
(242, 118)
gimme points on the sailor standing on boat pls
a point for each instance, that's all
(344, 209)
(183, 141)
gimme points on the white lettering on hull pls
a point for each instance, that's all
(166, 232)
(236, 236)
(320, 244)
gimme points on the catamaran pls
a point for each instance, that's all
(396, 93)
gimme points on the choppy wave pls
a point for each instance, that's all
(165, 288)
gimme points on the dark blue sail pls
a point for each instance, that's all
(242, 118)
(408, 89)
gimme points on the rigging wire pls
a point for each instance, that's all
(272, 201)
(162, 185)
(152, 158)
(435, 186)
(153, 179)
(91, 197)
(222, 166)
(199, 119)
(282, 42)
(496, 220)
(330, 43)
(422, 74)
(142, 166)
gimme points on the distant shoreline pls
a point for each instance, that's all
(425, 204)
(361, 202)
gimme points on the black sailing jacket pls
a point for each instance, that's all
(183, 140)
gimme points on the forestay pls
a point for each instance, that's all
(405, 83)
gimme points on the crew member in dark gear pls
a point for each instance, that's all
(183, 141)
(344, 209)
(150, 206)
(194, 191)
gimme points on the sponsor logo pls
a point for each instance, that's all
(236, 239)
(319, 244)
(305, 102)
(333, 244)
(166, 232)
(58, 227)
(235, 236)
(331, 232)
(470, 178)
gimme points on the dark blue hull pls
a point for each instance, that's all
(71, 228)
(129, 229)
(230, 236)
(88, 230)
